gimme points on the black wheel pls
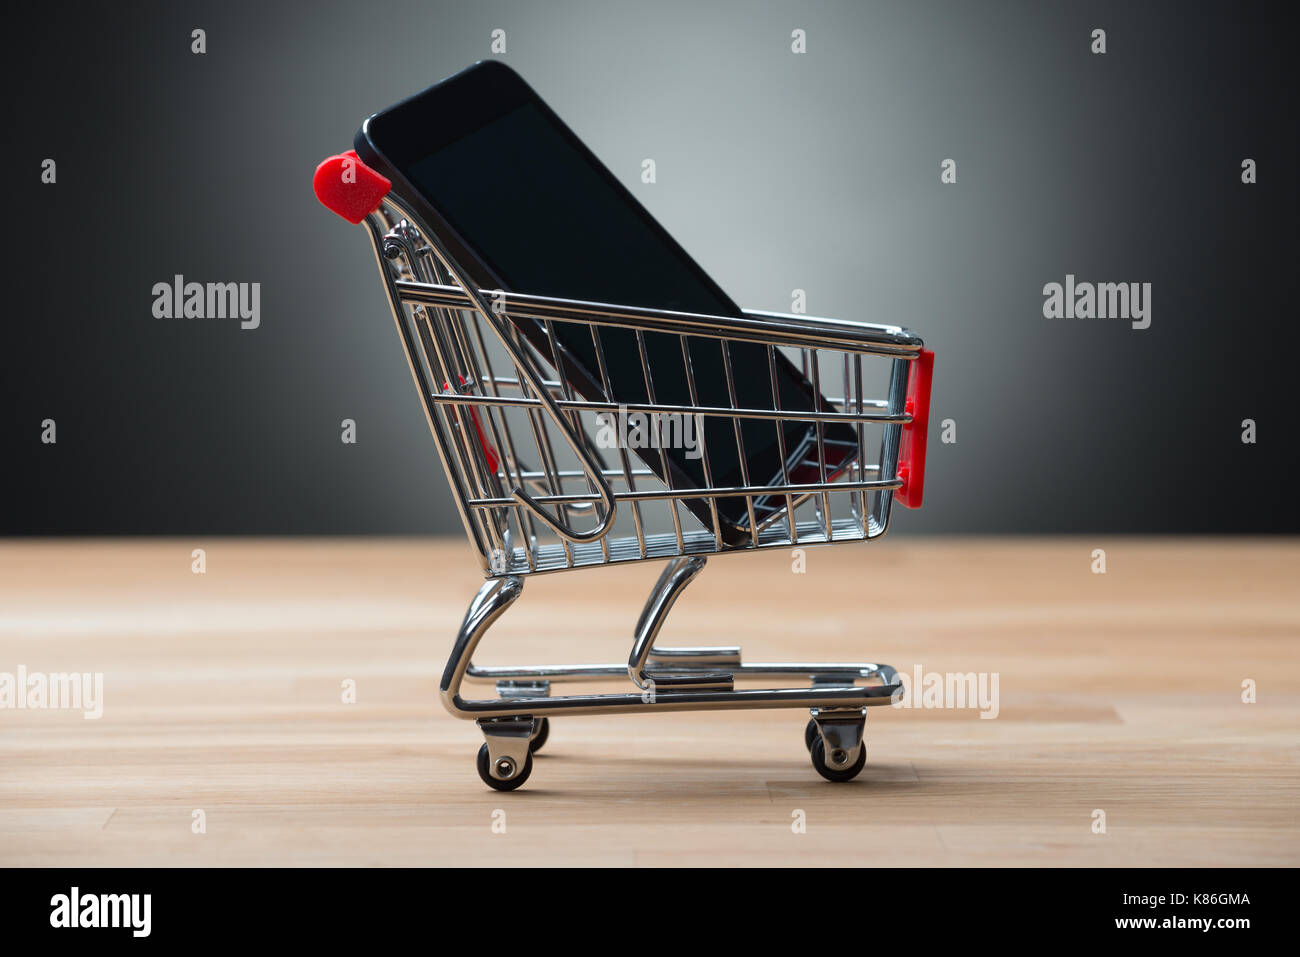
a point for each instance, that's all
(836, 774)
(507, 785)
(543, 732)
(810, 734)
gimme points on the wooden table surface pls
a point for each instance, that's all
(1119, 692)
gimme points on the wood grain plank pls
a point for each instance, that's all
(1119, 692)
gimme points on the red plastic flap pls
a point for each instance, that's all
(489, 450)
(911, 449)
(349, 187)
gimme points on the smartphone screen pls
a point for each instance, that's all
(540, 215)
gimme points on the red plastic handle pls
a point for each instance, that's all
(349, 187)
(911, 449)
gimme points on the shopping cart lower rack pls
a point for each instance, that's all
(536, 494)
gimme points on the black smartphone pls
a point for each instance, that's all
(524, 206)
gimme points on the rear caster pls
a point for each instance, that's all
(506, 758)
(540, 735)
(810, 734)
(505, 774)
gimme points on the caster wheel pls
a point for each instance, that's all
(502, 785)
(836, 774)
(810, 734)
(543, 732)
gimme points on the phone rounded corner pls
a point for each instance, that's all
(495, 65)
(361, 141)
(734, 537)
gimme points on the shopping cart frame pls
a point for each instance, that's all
(445, 324)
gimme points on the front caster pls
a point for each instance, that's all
(540, 735)
(847, 773)
(835, 742)
(505, 775)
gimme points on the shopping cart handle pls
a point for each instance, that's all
(349, 187)
(911, 449)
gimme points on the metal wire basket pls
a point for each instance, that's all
(537, 493)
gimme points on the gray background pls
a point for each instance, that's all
(817, 171)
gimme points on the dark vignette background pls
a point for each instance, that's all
(776, 171)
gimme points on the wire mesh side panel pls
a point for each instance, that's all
(704, 438)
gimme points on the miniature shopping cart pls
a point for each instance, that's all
(536, 494)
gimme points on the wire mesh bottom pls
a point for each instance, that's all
(553, 557)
